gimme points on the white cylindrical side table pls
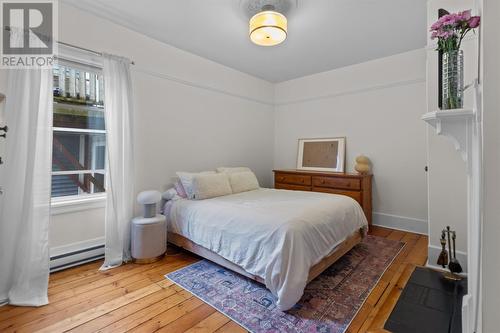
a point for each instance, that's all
(148, 238)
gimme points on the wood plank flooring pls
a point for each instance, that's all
(137, 298)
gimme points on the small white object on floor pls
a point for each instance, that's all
(149, 238)
(149, 232)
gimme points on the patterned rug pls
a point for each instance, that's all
(328, 305)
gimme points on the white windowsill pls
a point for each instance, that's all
(77, 203)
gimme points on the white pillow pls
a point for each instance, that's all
(243, 181)
(210, 186)
(186, 179)
(232, 170)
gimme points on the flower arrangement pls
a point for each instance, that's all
(451, 29)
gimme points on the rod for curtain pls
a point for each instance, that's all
(87, 50)
(76, 47)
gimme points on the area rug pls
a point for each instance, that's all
(328, 305)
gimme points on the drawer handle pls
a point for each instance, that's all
(323, 181)
(302, 180)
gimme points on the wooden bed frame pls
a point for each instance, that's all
(344, 247)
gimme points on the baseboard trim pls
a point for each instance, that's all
(441, 269)
(402, 223)
(75, 254)
(433, 254)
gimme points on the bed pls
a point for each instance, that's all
(281, 238)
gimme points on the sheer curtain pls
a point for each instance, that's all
(120, 161)
(25, 206)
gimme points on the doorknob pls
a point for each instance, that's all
(5, 128)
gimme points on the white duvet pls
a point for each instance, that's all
(277, 235)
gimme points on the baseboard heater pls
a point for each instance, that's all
(75, 258)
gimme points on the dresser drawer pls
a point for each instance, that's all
(356, 195)
(337, 182)
(292, 187)
(288, 178)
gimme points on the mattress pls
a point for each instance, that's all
(277, 235)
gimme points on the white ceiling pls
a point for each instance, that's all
(322, 34)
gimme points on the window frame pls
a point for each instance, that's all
(81, 202)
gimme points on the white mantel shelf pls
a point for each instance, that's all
(456, 125)
(435, 118)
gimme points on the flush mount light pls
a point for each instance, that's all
(268, 27)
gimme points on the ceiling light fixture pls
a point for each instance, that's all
(268, 27)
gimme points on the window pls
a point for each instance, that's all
(79, 134)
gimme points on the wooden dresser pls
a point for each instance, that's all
(358, 187)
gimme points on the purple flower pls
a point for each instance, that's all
(436, 26)
(451, 19)
(465, 15)
(474, 22)
(450, 29)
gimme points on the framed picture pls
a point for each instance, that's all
(321, 154)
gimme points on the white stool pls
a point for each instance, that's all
(149, 238)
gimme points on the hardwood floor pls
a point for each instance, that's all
(137, 298)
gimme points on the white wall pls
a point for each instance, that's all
(491, 155)
(3, 83)
(190, 114)
(3, 89)
(377, 106)
(70, 228)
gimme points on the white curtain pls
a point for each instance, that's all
(118, 105)
(26, 182)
